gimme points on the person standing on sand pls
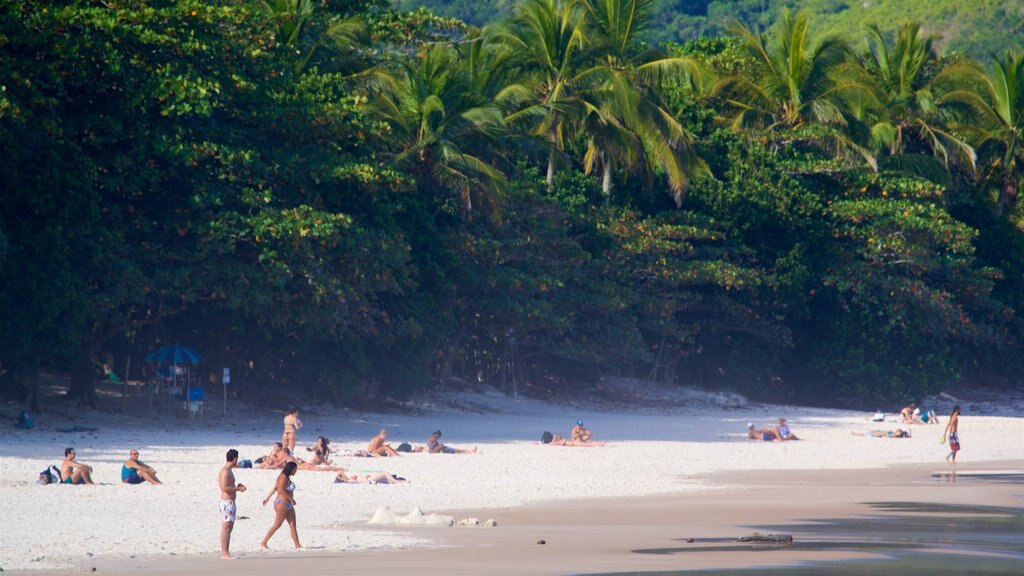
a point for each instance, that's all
(133, 471)
(284, 505)
(377, 447)
(951, 432)
(228, 511)
(291, 426)
(72, 472)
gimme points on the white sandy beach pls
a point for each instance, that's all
(674, 449)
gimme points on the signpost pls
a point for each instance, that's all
(226, 379)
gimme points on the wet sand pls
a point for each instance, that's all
(604, 535)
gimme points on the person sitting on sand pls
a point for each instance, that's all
(377, 447)
(580, 433)
(765, 434)
(134, 471)
(782, 431)
(275, 459)
(320, 462)
(73, 472)
(907, 415)
(322, 449)
(884, 433)
(371, 478)
(434, 446)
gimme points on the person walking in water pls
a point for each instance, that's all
(284, 505)
(951, 433)
(228, 511)
(291, 426)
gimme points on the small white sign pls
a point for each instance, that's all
(227, 375)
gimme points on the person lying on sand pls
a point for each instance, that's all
(765, 434)
(73, 472)
(377, 447)
(434, 446)
(134, 471)
(884, 434)
(556, 440)
(371, 478)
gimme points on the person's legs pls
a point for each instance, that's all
(281, 510)
(293, 527)
(225, 540)
(151, 478)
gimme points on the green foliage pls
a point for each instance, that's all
(293, 187)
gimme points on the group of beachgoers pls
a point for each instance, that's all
(133, 470)
(580, 436)
(282, 456)
(780, 432)
(910, 414)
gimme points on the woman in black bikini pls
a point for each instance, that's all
(284, 504)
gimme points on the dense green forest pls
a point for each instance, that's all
(975, 27)
(336, 198)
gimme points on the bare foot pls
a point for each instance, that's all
(228, 557)
(264, 547)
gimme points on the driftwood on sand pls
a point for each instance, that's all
(767, 538)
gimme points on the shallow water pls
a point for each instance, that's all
(917, 539)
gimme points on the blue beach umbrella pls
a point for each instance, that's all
(174, 355)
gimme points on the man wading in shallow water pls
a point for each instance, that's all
(228, 511)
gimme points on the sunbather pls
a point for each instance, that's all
(275, 459)
(371, 478)
(765, 434)
(884, 433)
(434, 446)
(557, 440)
(377, 447)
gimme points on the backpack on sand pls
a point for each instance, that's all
(49, 476)
(546, 438)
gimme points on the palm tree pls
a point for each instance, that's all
(911, 121)
(992, 117)
(634, 77)
(552, 59)
(792, 82)
(581, 60)
(294, 20)
(795, 83)
(438, 118)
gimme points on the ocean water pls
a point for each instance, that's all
(915, 539)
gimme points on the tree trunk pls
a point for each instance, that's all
(31, 381)
(83, 380)
(551, 161)
(606, 183)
